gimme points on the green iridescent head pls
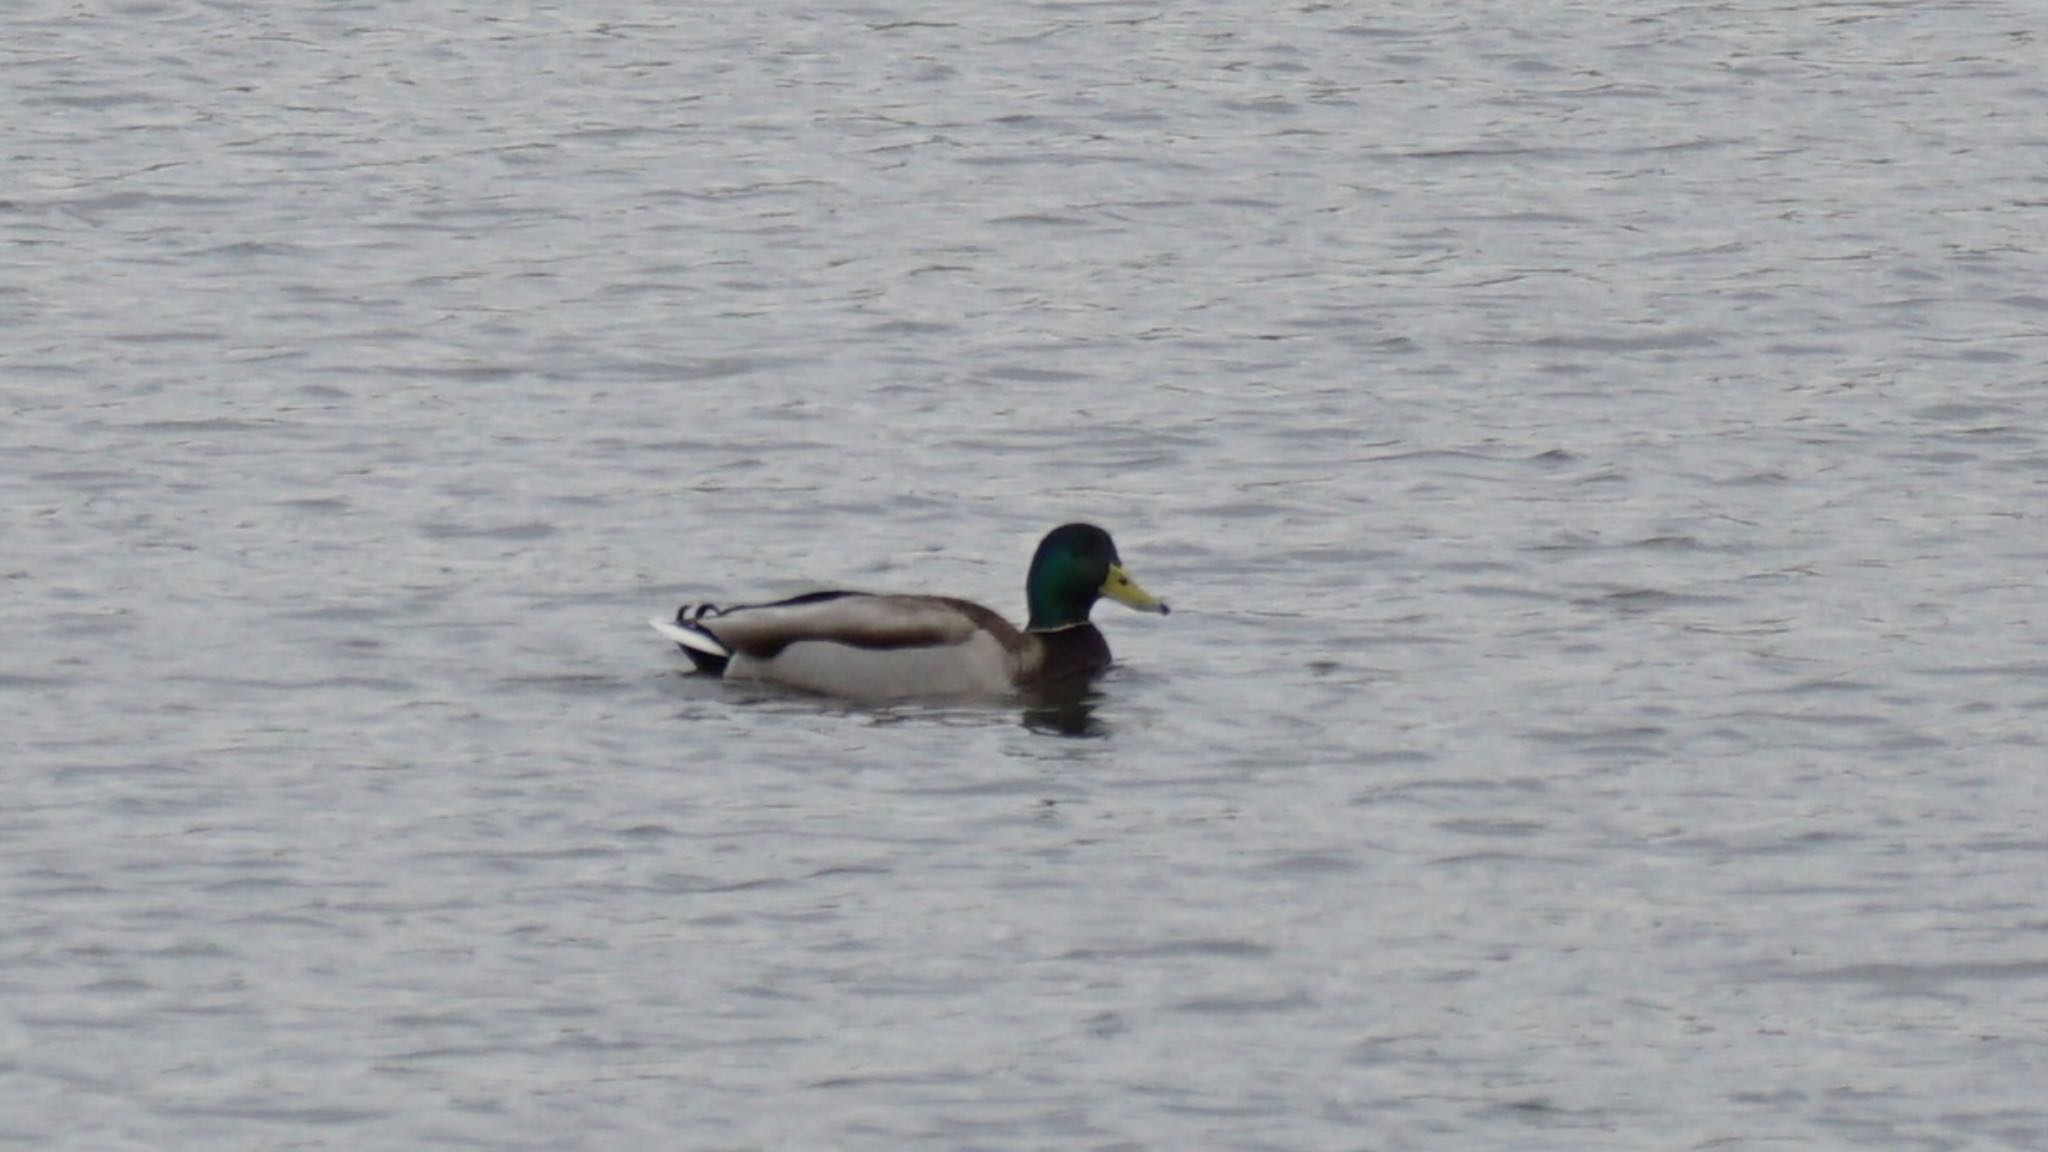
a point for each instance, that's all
(1076, 565)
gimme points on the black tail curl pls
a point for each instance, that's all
(691, 616)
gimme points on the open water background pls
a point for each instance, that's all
(1596, 453)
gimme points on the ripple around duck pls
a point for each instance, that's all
(18, 681)
(1909, 979)
(1221, 947)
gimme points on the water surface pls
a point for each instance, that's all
(1594, 453)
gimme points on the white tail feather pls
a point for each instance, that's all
(689, 637)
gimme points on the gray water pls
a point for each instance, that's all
(1595, 453)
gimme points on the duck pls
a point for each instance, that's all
(878, 646)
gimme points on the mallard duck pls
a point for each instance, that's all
(867, 645)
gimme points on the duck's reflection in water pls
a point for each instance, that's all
(1065, 709)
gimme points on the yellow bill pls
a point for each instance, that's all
(1124, 590)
